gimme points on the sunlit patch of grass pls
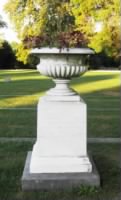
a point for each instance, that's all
(98, 84)
(20, 101)
(31, 82)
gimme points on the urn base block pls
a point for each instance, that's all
(54, 181)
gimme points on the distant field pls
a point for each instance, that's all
(21, 89)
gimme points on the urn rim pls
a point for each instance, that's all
(47, 50)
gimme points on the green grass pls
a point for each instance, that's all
(12, 160)
(18, 100)
(19, 97)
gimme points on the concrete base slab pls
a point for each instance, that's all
(52, 181)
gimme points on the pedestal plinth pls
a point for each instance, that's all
(59, 158)
(56, 181)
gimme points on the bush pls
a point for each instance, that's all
(101, 60)
(7, 56)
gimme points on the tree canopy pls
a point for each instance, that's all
(7, 56)
(31, 16)
(89, 12)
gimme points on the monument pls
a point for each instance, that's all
(59, 158)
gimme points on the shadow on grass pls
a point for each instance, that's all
(25, 87)
(27, 96)
(104, 103)
(31, 86)
(13, 73)
(107, 159)
(103, 115)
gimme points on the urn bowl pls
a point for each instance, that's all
(62, 64)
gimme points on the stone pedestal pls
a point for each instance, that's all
(59, 159)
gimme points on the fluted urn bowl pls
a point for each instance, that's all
(64, 63)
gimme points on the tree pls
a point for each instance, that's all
(30, 17)
(2, 25)
(89, 12)
(40, 18)
(32, 60)
(7, 56)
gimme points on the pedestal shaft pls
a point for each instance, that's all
(61, 144)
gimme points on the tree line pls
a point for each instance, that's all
(8, 59)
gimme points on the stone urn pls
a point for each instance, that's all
(61, 146)
(62, 65)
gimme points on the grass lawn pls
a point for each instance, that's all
(18, 100)
(19, 97)
(12, 160)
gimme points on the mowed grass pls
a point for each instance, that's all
(21, 89)
(12, 160)
(19, 94)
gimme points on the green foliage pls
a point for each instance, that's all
(32, 61)
(43, 23)
(46, 19)
(88, 12)
(88, 190)
(20, 52)
(7, 56)
(102, 61)
(1, 41)
(31, 17)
